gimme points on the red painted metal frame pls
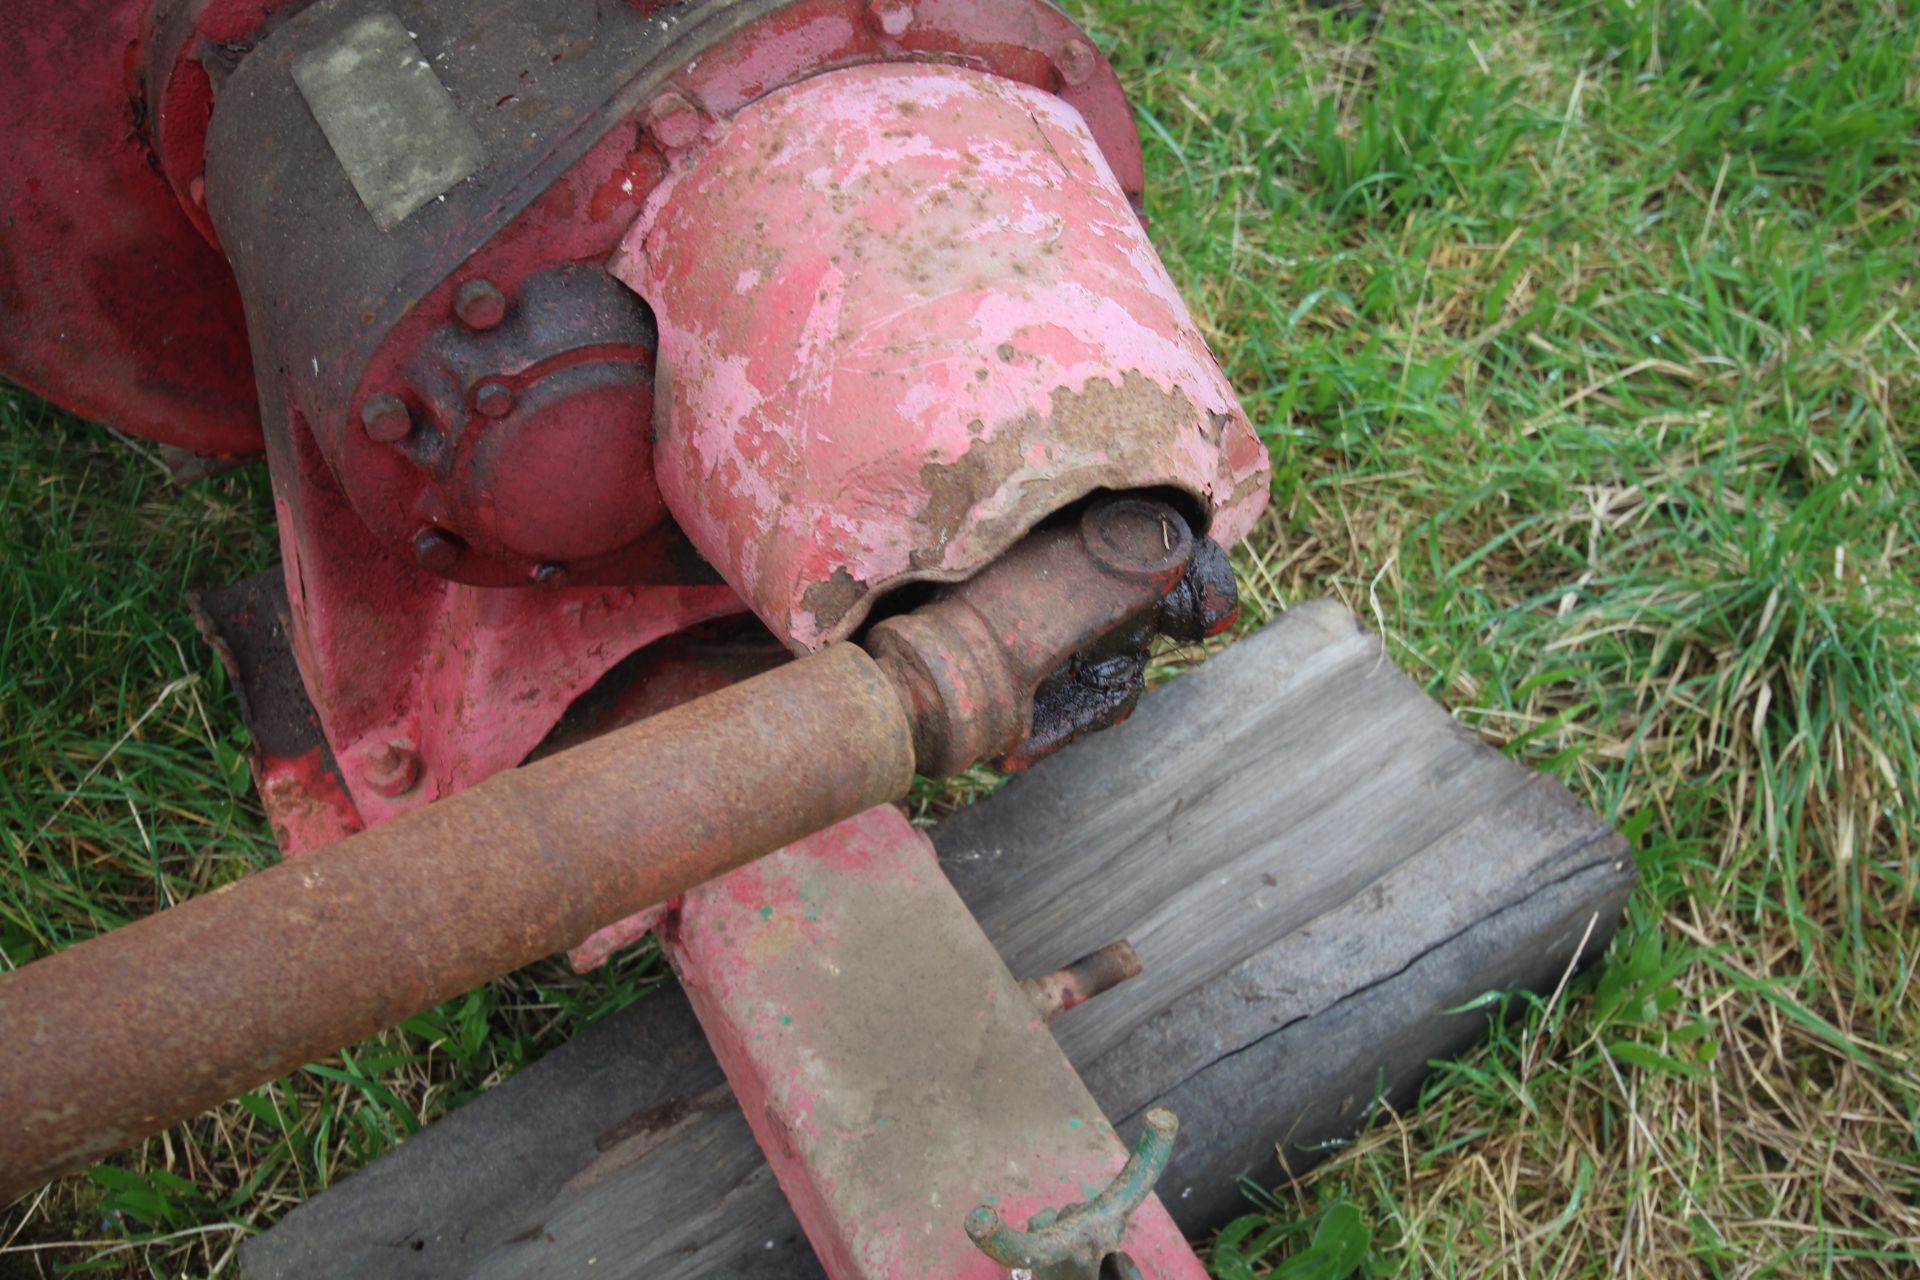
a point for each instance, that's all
(116, 305)
(118, 316)
(111, 303)
(893, 1071)
(461, 681)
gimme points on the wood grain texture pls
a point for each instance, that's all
(1313, 860)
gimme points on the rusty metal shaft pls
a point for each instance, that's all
(119, 1037)
(114, 1039)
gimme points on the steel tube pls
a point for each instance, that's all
(140, 1028)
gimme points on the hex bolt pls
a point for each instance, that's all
(549, 575)
(480, 304)
(673, 120)
(891, 17)
(435, 550)
(494, 399)
(1076, 62)
(392, 769)
(385, 418)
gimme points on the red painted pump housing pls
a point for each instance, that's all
(567, 326)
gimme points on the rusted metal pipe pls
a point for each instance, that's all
(1097, 973)
(114, 1039)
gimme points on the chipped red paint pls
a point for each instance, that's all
(307, 807)
(907, 312)
(893, 1071)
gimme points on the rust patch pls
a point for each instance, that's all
(548, 853)
(955, 488)
(829, 601)
(1116, 434)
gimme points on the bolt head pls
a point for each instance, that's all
(435, 550)
(549, 575)
(480, 304)
(385, 418)
(890, 17)
(674, 121)
(1076, 61)
(392, 769)
(1133, 536)
(494, 399)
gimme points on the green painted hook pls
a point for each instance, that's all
(1073, 1243)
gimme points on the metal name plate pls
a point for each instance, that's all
(391, 123)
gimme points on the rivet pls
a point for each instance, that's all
(891, 17)
(1076, 62)
(480, 304)
(494, 399)
(385, 418)
(674, 121)
(549, 575)
(435, 550)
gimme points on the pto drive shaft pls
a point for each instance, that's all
(117, 1038)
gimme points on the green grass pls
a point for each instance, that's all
(1586, 343)
(124, 788)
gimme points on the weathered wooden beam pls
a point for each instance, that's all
(1313, 860)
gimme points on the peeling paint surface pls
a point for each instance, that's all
(905, 313)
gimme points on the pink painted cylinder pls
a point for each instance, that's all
(906, 312)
